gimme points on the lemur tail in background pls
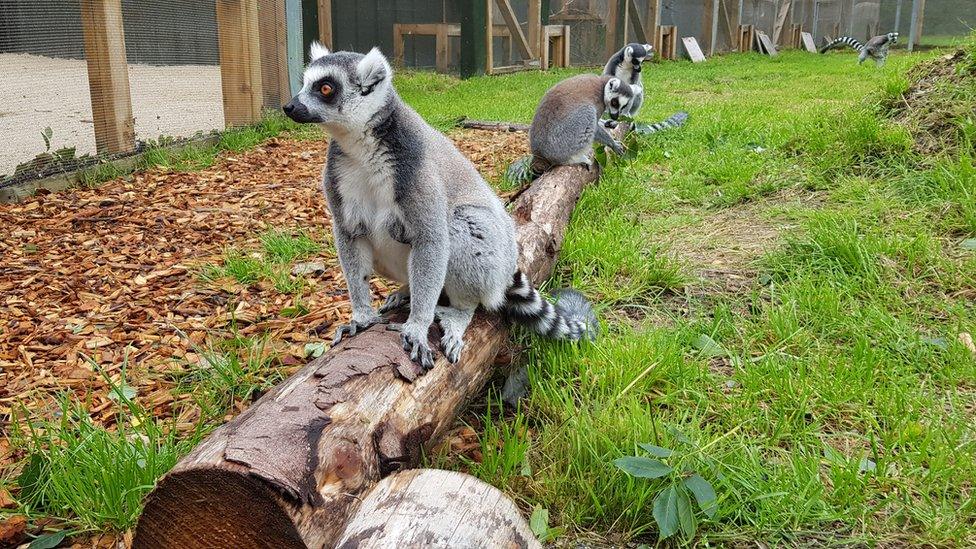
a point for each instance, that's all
(571, 317)
(842, 41)
(675, 120)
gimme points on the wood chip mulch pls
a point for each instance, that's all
(113, 273)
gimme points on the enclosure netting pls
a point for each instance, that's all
(56, 55)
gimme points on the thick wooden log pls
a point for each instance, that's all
(437, 509)
(492, 126)
(289, 471)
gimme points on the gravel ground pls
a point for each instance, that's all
(38, 92)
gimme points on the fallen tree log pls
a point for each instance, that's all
(289, 471)
(469, 513)
(493, 126)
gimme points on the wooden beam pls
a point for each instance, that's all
(294, 22)
(325, 23)
(616, 26)
(535, 27)
(474, 31)
(238, 41)
(653, 21)
(914, 28)
(442, 57)
(274, 53)
(490, 37)
(635, 21)
(108, 76)
(515, 29)
(781, 20)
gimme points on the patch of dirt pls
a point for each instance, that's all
(942, 92)
(491, 151)
(723, 247)
(113, 273)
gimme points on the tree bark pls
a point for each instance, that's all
(290, 470)
(493, 126)
(462, 511)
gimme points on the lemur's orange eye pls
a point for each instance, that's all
(326, 90)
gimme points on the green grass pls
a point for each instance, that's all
(164, 153)
(837, 405)
(279, 250)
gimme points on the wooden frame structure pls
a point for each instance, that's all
(557, 38)
(667, 42)
(442, 33)
(108, 76)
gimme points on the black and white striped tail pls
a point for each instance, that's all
(843, 40)
(673, 121)
(522, 171)
(571, 317)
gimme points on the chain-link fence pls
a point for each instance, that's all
(84, 79)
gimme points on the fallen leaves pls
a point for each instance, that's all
(13, 531)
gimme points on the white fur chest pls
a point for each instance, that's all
(366, 186)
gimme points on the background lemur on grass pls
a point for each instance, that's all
(875, 48)
(408, 205)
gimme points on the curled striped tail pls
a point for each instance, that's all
(675, 120)
(571, 317)
(522, 171)
(842, 41)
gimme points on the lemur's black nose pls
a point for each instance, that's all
(288, 108)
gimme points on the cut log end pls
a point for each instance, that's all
(194, 505)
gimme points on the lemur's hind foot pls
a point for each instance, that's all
(454, 322)
(395, 300)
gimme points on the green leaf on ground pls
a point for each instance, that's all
(642, 467)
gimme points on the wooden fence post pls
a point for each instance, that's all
(325, 23)
(294, 22)
(108, 76)
(238, 39)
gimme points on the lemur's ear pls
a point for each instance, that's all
(613, 84)
(317, 51)
(628, 52)
(649, 49)
(372, 69)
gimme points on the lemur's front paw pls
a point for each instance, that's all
(414, 340)
(394, 301)
(618, 148)
(452, 345)
(609, 124)
(355, 326)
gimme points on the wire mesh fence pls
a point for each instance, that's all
(87, 79)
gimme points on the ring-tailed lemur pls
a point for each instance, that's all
(875, 48)
(407, 204)
(626, 65)
(567, 123)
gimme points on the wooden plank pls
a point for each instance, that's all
(707, 20)
(325, 22)
(635, 21)
(653, 21)
(442, 57)
(398, 33)
(781, 20)
(516, 30)
(808, 42)
(766, 45)
(490, 37)
(473, 31)
(535, 27)
(565, 47)
(713, 37)
(728, 22)
(108, 76)
(296, 44)
(693, 49)
(238, 42)
(274, 53)
(616, 26)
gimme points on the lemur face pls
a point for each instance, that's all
(341, 90)
(616, 96)
(635, 54)
(894, 37)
